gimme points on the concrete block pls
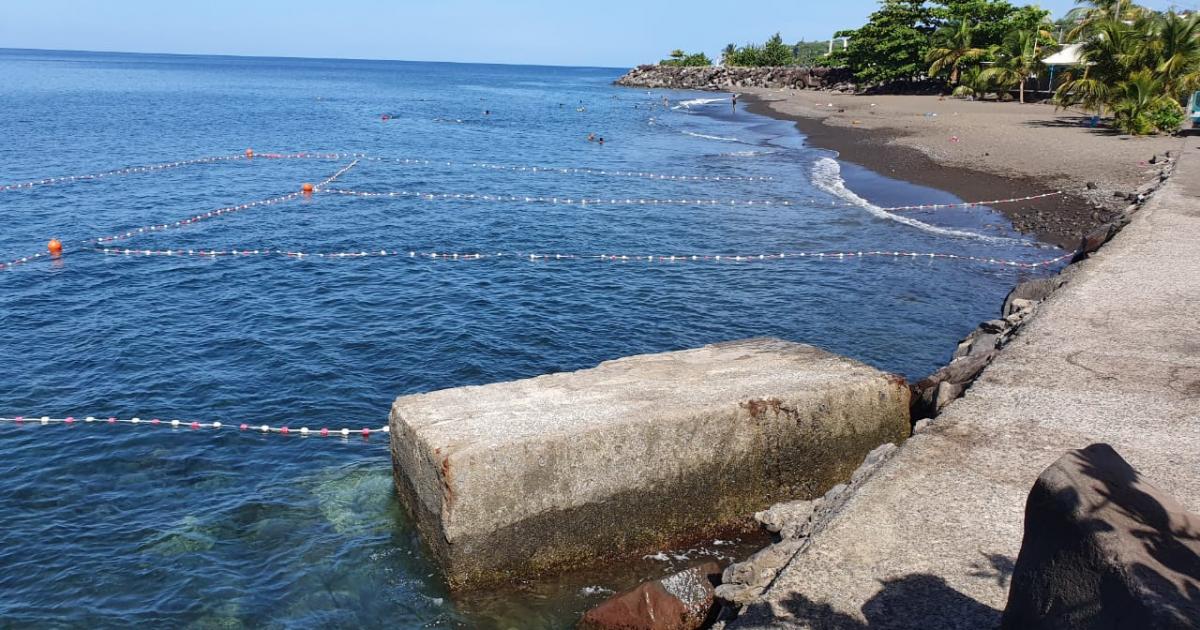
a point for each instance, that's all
(510, 480)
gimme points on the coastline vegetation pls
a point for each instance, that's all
(1138, 65)
(1133, 64)
(680, 58)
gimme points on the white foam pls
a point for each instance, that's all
(708, 137)
(827, 176)
(750, 153)
(688, 104)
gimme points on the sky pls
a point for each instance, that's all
(609, 33)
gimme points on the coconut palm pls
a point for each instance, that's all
(1175, 47)
(1017, 59)
(1096, 11)
(1112, 52)
(727, 54)
(1136, 98)
(972, 83)
(951, 48)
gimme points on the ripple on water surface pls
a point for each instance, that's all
(121, 525)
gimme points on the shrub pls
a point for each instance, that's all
(1167, 117)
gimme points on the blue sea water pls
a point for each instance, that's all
(115, 526)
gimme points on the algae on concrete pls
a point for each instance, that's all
(510, 480)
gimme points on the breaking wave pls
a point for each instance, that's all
(827, 176)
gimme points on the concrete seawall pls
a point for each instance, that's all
(511, 480)
(931, 539)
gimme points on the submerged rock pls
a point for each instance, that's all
(681, 601)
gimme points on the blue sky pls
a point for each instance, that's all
(573, 32)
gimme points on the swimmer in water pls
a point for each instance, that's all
(591, 137)
(735, 102)
(601, 141)
(487, 112)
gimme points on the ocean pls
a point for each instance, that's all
(116, 525)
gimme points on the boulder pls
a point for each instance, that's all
(930, 394)
(785, 519)
(1032, 291)
(1103, 548)
(1093, 240)
(723, 78)
(681, 601)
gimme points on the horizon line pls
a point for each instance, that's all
(294, 57)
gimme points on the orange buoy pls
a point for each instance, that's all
(249, 153)
(54, 246)
(307, 188)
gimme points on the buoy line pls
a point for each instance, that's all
(572, 170)
(213, 253)
(641, 201)
(55, 247)
(303, 431)
(248, 155)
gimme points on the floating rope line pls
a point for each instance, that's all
(581, 201)
(628, 201)
(536, 257)
(194, 425)
(972, 204)
(575, 171)
(249, 155)
(211, 214)
(333, 178)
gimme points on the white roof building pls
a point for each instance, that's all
(1070, 55)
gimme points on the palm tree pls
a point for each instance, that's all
(1176, 48)
(1096, 11)
(951, 47)
(1135, 99)
(727, 54)
(1111, 53)
(1016, 60)
(972, 83)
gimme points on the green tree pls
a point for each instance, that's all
(809, 53)
(748, 55)
(680, 58)
(1137, 100)
(728, 53)
(1175, 54)
(1139, 65)
(989, 20)
(1016, 60)
(892, 45)
(1098, 12)
(776, 53)
(972, 83)
(952, 46)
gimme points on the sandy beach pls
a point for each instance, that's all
(981, 150)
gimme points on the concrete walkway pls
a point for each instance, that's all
(1114, 356)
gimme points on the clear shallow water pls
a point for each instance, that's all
(115, 526)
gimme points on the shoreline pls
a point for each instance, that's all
(1061, 221)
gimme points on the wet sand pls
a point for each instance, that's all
(980, 150)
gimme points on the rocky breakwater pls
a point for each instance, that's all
(723, 78)
(512, 480)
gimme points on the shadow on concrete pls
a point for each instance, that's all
(999, 567)
(916, 602)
